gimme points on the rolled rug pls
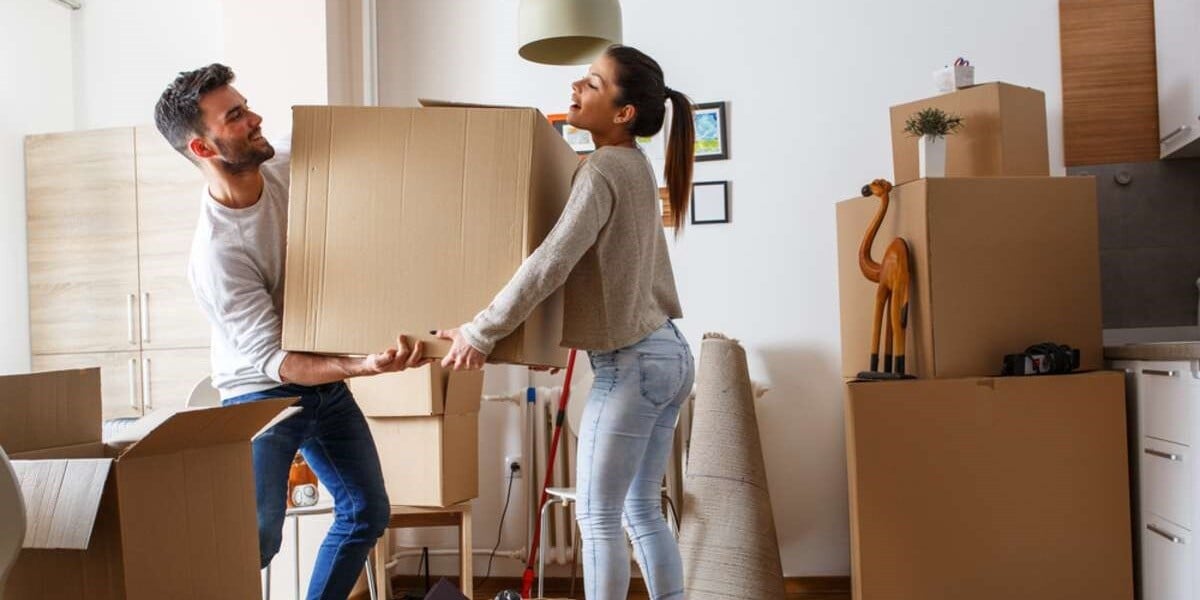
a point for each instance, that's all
(727, 533)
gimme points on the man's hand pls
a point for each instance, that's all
(397, 358)
(462, 356)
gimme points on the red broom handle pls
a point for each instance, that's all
(527, 577)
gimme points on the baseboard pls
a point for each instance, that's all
(793, 585)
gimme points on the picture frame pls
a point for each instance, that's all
(712, 131)
(578, 139)
(710, 202)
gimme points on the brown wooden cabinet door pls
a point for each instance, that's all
(82, 228)
(168, 201)
(168, 376)
(120, 376)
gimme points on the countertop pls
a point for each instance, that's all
(1188, 350)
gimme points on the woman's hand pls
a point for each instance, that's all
(462, 356)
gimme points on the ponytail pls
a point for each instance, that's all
(641, 82)
(681, 150)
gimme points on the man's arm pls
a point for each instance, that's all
(315, 369)
(246, 313)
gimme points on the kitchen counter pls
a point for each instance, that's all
(1189, 350)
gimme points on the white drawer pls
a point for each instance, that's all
(1166, 392)
(1166, 482)
(1166, 561)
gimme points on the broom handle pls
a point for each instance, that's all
(527, 578)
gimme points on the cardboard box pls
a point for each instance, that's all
(422, 392)
(171, 515)
(998, 264)
(430, 460)
(989, 489)
(405, 220)
(1003, 133)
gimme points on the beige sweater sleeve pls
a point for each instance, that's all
(546, 270)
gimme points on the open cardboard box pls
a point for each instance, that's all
(169, 512)
(421, 392)
(425, 423)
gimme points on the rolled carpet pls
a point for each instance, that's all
(727, 532)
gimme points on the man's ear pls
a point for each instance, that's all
(201, 148)
(626, 115)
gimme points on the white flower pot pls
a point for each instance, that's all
(931, 151)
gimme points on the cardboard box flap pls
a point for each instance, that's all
(49, 410)
(207, 427)
(432, 103)
(464, 391)
(62, 498)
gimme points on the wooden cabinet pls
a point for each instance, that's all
(111, 214)
(168, 205)
(1177, 44)
(83, 243)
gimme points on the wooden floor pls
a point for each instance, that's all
(832, 588)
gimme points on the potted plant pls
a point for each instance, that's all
(931, 126)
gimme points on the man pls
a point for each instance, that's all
(236, 272)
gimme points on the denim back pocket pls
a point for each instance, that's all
(662, 377)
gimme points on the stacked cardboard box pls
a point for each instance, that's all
(169, 515)
(425, 423)
(963, 484)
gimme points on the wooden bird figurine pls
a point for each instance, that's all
(893, 276)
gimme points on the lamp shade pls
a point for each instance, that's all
(567, 32)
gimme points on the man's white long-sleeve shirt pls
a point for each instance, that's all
(236, 273)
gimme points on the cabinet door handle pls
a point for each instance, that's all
(1167, 455)
(145, 317)
(133, 383)
(147, 399)
(129, 302)
(1170, 136)
(1160, 372)
(1174, 539)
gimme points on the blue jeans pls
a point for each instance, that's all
(624, 445)
(332, 433)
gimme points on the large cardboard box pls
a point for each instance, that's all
(1003, 133)
(998, 264)
(171, 515)
(406, 220)
(427, 460)
(989, 488)
(421, 392)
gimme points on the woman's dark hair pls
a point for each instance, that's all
(641, 82)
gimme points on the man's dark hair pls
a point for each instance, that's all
(177, 113)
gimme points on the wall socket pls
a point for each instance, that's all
(508, 461)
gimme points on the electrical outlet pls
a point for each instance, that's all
(513, 460)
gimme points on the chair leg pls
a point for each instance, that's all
(542, 548)
(466, 576)
(369, 568)
(381, 589)
(266, 582)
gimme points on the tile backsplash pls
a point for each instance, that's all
(1149, 241)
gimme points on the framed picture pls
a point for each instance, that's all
(580, 140)
(712, 135)
(710, 202)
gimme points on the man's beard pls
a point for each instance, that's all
(244, 158)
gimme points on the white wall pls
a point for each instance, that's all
(35, 71)
(809, 85)
(277, 48)
(127, 51)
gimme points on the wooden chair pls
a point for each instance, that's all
(458, 515)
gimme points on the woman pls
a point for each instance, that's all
(609, 249)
